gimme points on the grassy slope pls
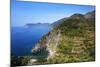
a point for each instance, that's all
(76, 42)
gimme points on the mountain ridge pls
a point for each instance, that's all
(89, 15)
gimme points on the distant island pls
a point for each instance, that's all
(34, 24)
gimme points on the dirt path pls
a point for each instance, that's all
(52, 50)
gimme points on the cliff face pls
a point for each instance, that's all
(71, 40)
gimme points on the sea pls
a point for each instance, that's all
(24, 38)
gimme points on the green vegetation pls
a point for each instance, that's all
(77, 43)
(20, 60)
(73, 40)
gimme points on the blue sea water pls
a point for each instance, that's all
(23, 39)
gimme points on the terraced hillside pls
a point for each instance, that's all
(72, 40)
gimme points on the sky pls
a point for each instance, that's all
(38, 12)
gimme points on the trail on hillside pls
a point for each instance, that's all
(52, 44)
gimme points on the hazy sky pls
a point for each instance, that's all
(34, 12)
